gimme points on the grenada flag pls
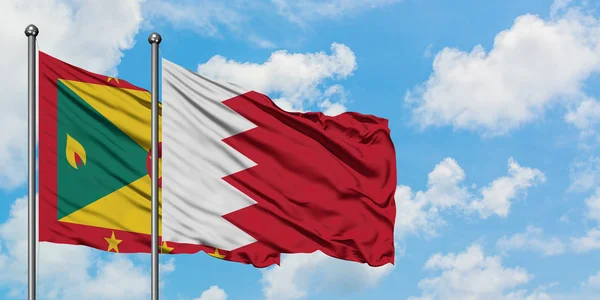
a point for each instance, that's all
(94, 164)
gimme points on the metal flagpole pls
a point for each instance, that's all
(31, 32)
(154, 39)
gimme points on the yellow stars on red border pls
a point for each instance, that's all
(165, 249)
(217, 254)
(113, 243)
(108, 79)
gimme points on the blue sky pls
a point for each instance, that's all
(493, 108)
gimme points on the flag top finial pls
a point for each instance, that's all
(31, 30)
(154, 38)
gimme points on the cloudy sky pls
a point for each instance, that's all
(494, 111)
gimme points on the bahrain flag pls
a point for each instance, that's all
(252, 180)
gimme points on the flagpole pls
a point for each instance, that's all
(31, 32)
(154, 39)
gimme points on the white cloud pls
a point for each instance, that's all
(587, 243)
(301, 11)
(585, 117)
(532, 66)
(444, 188)
(593, 282)
(167, 267)
(261, 42)
(525, 295)
(498, 195)
(332, 109)
(591, 241)
(428, 51)
(559, 6)
(420, 211)
(585, 175)
(593, 206)
(415, 214)
(210, 18)
(287, 105)
(67, 271)
(472, 275)
(300, 273)
(117, 278)
(213, 293)
(334, 103)
(294, 79)
(76, 31)
(204, 16)
(532, 239)
(589, 291)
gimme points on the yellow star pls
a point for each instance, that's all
(217, 254)
(108, 79)
(113, 243)
(165, 249)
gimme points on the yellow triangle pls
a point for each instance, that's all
(127, 209)
(126, 108)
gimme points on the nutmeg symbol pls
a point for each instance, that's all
(75, 153)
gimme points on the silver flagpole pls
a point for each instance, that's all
(31, 32)
(154, 39)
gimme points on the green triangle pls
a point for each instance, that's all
(114, 160)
